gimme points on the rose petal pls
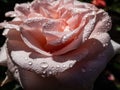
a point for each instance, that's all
(89, 63)
(9, 26)
(3, 55)
(44, 8)
(84, 72)
(78, 34)
(22, 9)
(85, 50)
(76, 19)
(66, 14)
(10, 14)
(17, 39)
(103, 22)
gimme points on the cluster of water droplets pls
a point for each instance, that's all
(105, 45)
(47, 70)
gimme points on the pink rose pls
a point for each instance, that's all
(56, 44)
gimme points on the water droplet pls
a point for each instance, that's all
(44, 65)
(64, 66)
(16, 70)
(106, 44)
(58, 66)
(6, 73)
(26, 58)
(50, 73)
(44, 72)
(108, 23)
(85, 39)
(71, 65)
(43, 76)
(30, 63)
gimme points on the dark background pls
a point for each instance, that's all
(113, 68)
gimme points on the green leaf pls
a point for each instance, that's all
(118, 28)
(5, 1)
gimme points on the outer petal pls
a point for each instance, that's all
(3, 55)
(89, 64)
(67, 67)
(83, 73)
(22, 10)
(103, 22)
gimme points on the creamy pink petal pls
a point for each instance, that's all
(77, 34)
(87, 65)
(13, 71)
(103, 22)
(11, 14)
(44, 7)
(77, 55)
(83, 73)
(22, 9)
(3, 55)
(34, 22)
(66, 15)
(45, 29)
(101, 37)
(17, 39)
(8, 25)
(33, 43)
(76, 19)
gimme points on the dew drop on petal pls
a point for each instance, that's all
(85, 39)
(30, 63)
(64, 66)
(44, 65)
(58, 66)
(16, 70)
(106, 44)
(26, 58)
(44, 72)
(50, 73)
(43, 76)
(71, 65)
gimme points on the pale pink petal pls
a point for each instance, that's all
(22, 9)
(17, 43)
(76, 19)
(3, 55)
(44, 8)
(103, 22)
(10, 14)
(8, 25)
(104, 38)
(84, 71)
(34, 22)
(66, 15)
(83, 57)
(78, 35)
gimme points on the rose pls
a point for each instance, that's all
(57, 44)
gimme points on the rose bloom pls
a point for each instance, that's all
(56, 44)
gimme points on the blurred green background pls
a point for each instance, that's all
(109, 79)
